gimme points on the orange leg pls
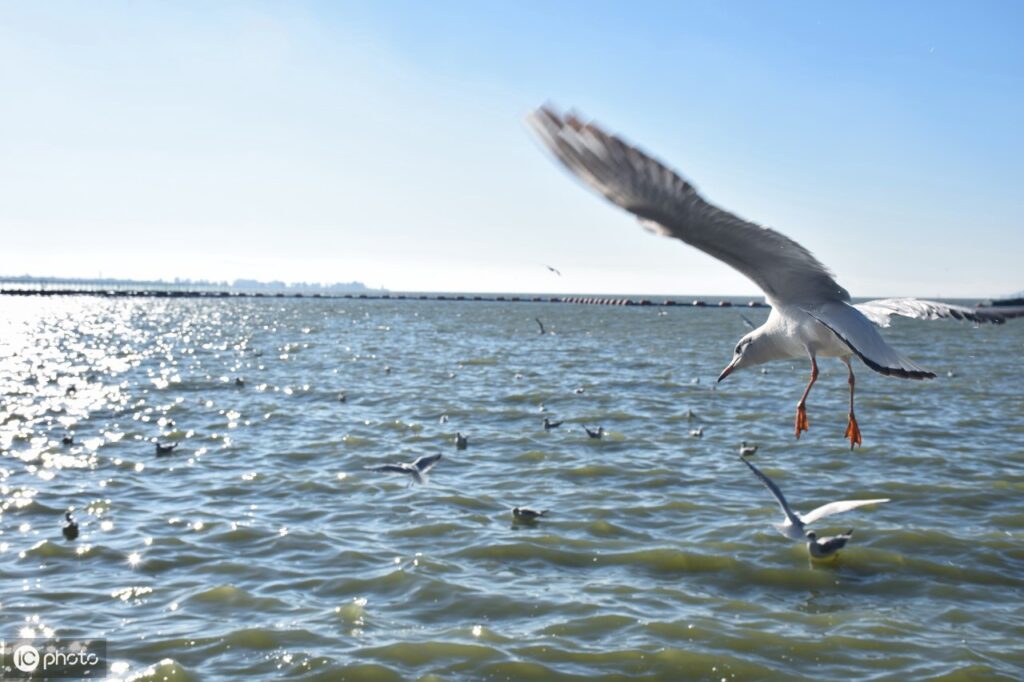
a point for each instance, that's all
(852, 430)
(801, 411)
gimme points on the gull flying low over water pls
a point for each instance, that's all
(794, 525)
(418, 469)
(811, 314)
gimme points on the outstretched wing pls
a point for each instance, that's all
(391, 468)
(836, 508)
(774, 489)
(667, 204)
(880, 311)
(426, 462)
(850, 325)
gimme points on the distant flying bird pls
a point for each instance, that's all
(461, 442)
(794, 525)
(527, 514)
(540, 324)
(597, 435)
(164, 448)
(746, 321)
(70, 528)
(553, 270)
(548, 424)
(811, 315)
(418, 469)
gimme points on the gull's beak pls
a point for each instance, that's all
(728, 370)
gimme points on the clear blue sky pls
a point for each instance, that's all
(384, 141)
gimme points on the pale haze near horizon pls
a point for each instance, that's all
(385, 143)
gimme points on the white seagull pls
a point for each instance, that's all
(811, 314)
(418, 469)
(794, 526)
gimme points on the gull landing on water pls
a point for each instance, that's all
(794, 525)
(811, 314)
(418, 469)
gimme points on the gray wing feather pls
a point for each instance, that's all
(837, 508)
(774, 489)
(880, 311)
(426, 462)
(668, 205)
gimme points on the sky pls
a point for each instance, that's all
(384, 142)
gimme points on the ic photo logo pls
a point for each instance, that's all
(53, 660)
(26, 658)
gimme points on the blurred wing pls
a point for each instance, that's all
(850, 325)
(836, 508)
(391, 468)
(668, 205)
(426, 463)
(774, 489)
(881, 311)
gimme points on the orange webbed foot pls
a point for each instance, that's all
(853, 432)
(801, 420)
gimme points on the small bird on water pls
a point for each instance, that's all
(68, 439)
(70, 528)
(698, 432)
(163, 449)
(461, 442)
(747, 450)
(598, 434)
(825, 548)
(527, 514)
(548, 424)
(418, 469)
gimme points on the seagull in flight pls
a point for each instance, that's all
(540, 324)
(418, 469)
(811, 315)
(554, 270)
(794, 525)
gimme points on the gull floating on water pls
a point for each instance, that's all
(527, 514)
(598, 434)
(548, 424)
(70, 528)
(794, 525)
(68, 439)
(461, 442)
(823, 548)
(698, 432)
(811, 314)
(164, 448)
(747, 450)
(418, 469)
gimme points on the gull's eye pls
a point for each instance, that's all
(739, 349)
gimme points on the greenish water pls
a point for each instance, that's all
(263, 549)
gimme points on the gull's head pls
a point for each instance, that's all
(740, 356)
(812, 536)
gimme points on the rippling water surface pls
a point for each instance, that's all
(262, 548)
